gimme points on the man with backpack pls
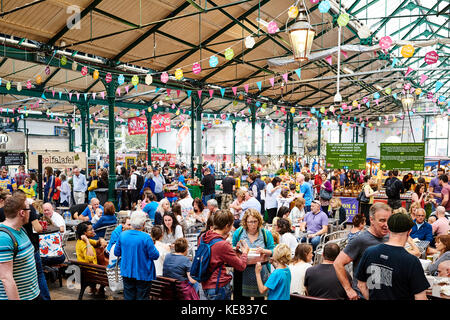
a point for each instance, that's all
(136, 183)
(393, 189)
(18, 275)
(214, 254)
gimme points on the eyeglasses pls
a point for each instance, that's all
(26, 209)
(252, 222)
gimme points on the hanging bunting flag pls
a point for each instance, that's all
(394, 62)
(178, 93)
(385, 42)
(229, 54)
(407, 51)
(423, 78)
(28, 83)
(439, 85)
(164, 77)
(324, 6)
(102, 94)
(118, 91)
(53, 92)
(157, 89)
(234, 89)
(431, 57)
(189, 93)
(70, 95)
(246, 87)
(120, 79)
(329, 59)
(409, 71)
(78, 96)
(108, 77)
(93, 95)
(272, 27)
(60, 94)
(126, 89)
(85, 96)
(285, 77)
(298, 72)
(222, 91)
(259, 84)
(196, 68)
(168, 91)
(272, 81)
(211, 92)
(344, 53)
(213, 61)
(43, 96)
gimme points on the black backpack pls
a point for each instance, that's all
(391, 190)
(139, 182)
(14, 240)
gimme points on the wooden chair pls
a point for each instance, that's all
(297, 297)
(90, 274)
(164, 288)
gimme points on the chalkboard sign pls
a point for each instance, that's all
(92, 164)
(12, 158)
(129, 161)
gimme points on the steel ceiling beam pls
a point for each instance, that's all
(215, 35)
(65, 29)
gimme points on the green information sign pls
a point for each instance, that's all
(346, 156)
(402, 156)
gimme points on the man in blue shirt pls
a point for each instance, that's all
(117, 231)
(150, 208)
(91, 210)
(305, 191)
(182, 181)
(297, 166)
(250, 202)
(79, 186)
(159, 183)
(421, 229)
(6, 182)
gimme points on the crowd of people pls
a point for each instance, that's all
(281, 220)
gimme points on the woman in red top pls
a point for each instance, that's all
(419, 195)
(318, 181)
(57, 188)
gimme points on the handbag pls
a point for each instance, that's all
(325, 194)
(115, 280)
(93, 185)
(362, 197)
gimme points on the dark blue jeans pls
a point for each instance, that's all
(45, 294)
(223, 293)
(313, 241)
(208, 197)
(135, 289)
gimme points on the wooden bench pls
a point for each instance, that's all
(58, 268)
(164, 288)
(90, 274)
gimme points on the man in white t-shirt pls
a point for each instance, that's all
(55, 217)
(185, 203)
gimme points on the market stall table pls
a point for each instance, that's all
(195, 191)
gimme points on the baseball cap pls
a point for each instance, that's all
(316, 202)
(399, 222)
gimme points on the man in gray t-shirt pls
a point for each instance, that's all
(377, 233)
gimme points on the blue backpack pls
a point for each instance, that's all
(200, 264)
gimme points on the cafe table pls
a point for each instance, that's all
(237, 275)
(441, 281)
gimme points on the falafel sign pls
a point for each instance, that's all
(346, 155)
(402, 156)
(59, 160)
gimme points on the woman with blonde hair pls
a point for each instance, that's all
(279, 283)
(163, 208)
(337, 211)
(260, 241)
(298, 210)
(413, 209)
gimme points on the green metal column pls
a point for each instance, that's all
(192, 134)
(263, 125)
(286, 137)
(198, 142)
(233, 124)
(111, 96)
(88, 129)
(356, 134)
(364, 134)
(253, 118)
(291, 133)
(148, 115)
(15, 124)
(319, 134)
(340, 133)
(70, 137)
(83, 127)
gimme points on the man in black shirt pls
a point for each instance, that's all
(228, 186)
(393, 189)
(209, 186)
(321, 280)
(387, 271)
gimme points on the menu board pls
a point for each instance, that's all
(129, 161)
(402, 156)
(12, 158)
(346, 156)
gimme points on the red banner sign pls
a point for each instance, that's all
(137, 125)
(161, 123)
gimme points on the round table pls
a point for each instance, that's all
(50, 229)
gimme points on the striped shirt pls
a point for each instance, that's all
(24, 265)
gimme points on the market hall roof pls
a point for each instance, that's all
(136, 37)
